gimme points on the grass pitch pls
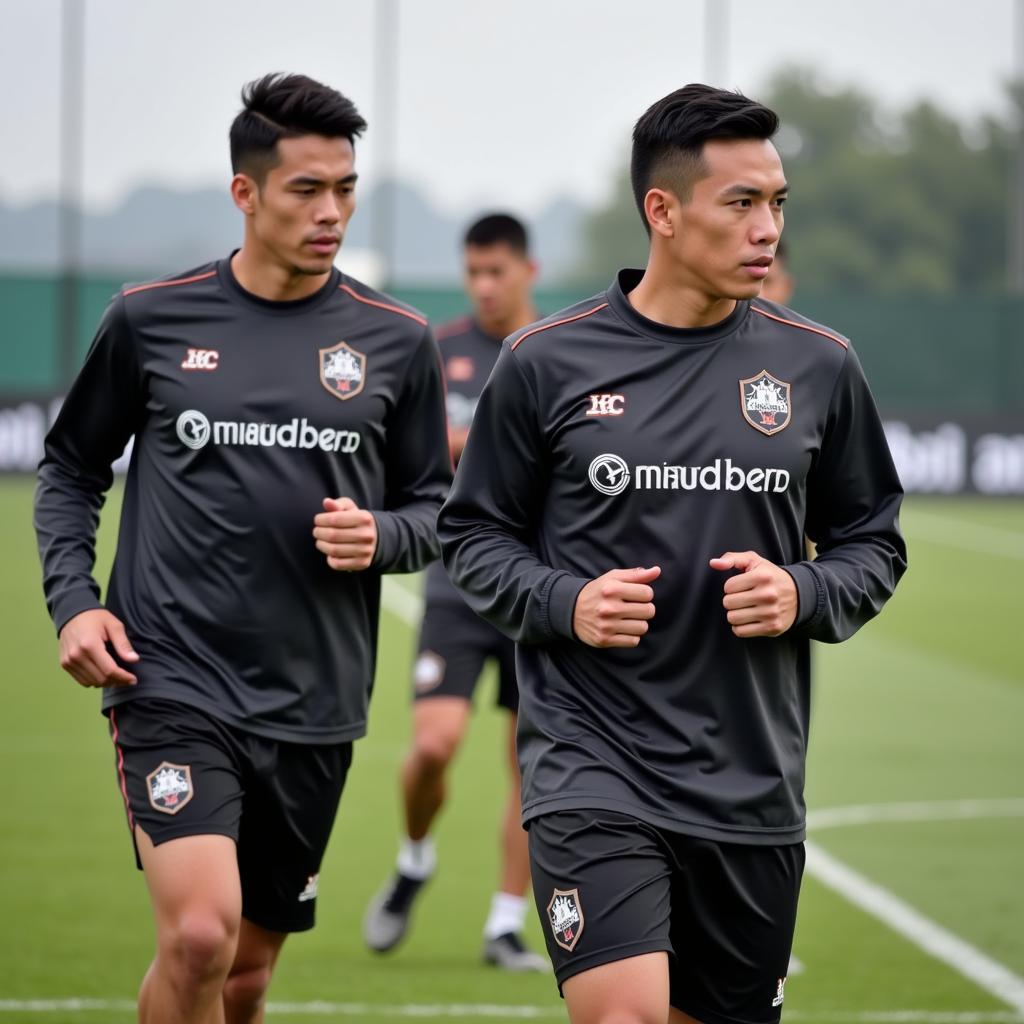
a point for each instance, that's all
(917, 720)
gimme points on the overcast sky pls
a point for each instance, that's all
(509, 103)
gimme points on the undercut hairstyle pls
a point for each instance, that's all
(280, 106)
(668, 141)
(498, 228)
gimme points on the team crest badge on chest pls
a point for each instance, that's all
(765, 402)
(342, 370)
(565, 915)
(170, 787)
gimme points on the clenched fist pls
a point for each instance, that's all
(761, 600)
(614, 609)
(346, 534)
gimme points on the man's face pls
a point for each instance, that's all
(301, 209)
(498, 280)
(725, 234)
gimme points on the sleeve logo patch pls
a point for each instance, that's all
(170, 787)
(765, 402)
(565, 915)
(342, 370)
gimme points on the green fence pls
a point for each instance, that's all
(956, 355)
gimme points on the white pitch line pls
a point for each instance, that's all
(921, 810)
(924, 933)
(401, 602)
(426, 1011)
(967, 536)
(318, 1008)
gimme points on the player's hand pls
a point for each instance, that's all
(614, 609)
(84, 654)
(761, 599)
(346, 534)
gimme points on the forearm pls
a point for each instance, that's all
(66, 516)
(406, 537)
(505, 583)
(847, 585)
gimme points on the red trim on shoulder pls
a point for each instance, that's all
(557, 323)
(168, 284)
(803, 327)
(453, 329)
(382, 305)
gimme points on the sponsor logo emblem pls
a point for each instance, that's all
(606, 405)
(342, 370)
(309, 893)
(565, 914)
(170, 787)
(193, 429)
(429, 672)
(779, 992)
(460, 368)
(201, 359)
(764, 402)
(609, 474)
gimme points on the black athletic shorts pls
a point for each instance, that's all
(185, 773)
(610, 887)
(454, 643)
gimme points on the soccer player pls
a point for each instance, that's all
(778, 286)
(454, 641)
(666, 445)
(289, 449)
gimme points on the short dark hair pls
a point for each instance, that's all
(279, 106)
(496, 228)
(668, 141)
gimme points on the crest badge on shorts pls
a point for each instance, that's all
(565, 915)
(170, 787)
(342, 370)
(765, 402)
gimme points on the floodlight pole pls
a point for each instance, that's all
(69, 215)
(385, 133)
(716, 42)
(1016, 246)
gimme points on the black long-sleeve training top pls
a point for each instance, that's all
(246, 415)
(468, 354)
(604, 440)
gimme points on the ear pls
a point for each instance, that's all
(244, 192)
(660, 207)
(534, 269)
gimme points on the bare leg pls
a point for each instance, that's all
(249, 978)
(631, 991)
(197, 903)
(439, 724)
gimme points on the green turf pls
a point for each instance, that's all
(925, 704)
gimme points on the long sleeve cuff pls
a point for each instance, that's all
(809, 593)
(562, 604)
(73, 603)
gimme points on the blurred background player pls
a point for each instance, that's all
(454, 643)
(779, 284)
